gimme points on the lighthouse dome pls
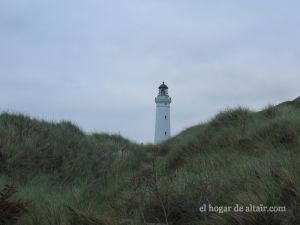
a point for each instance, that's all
(163, 86)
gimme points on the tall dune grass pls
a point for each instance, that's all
(238, 157)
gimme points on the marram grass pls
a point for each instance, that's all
(238, 157)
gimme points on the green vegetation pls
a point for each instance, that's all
(240, 157)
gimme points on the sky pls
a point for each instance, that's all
(99, 63)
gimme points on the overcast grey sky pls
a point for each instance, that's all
(99, 63)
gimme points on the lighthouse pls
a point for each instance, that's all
(162, 120)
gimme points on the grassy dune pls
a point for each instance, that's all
(238, 157)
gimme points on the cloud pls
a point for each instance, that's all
(99, 63)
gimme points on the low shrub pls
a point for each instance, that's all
(10, 211)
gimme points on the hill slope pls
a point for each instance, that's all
(238, 157)
(31, 148)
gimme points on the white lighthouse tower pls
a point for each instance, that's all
(162, 121)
